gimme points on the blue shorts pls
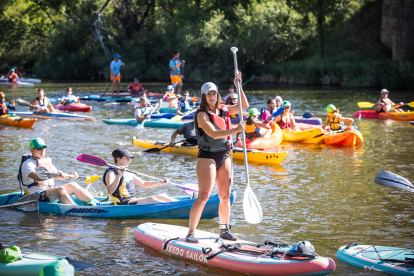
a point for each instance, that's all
(42, 196)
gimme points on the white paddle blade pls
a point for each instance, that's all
(394, 180)
(251, 206)
(44, 174)
(234, 49)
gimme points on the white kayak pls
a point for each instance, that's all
(19, 83)
(55, 115)
(211, 250)
(24, 80)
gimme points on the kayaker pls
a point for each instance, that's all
(170, 97)
(45, 190)
(143, 111)
(279, 101)
(183, 106)
(228, 97)
(253, 124)
(267, 113)
(69, 98)
(175, 71)
(121, 184)
(115, 68)
(5, 106)
(384, 104)
(42, 104)
(286, 119)
(188, 131)
(12, 76)
(213, 130)
(17, 71)
(136, 88)
(335, 120)
(233, 101)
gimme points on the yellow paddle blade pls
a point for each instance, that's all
(365, 105)
(92, 179)
(411, 104)
(177, 118)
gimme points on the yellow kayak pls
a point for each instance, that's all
(17, 121)
(252, 155)
(304, 136)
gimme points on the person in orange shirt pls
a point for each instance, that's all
(175, 71)
(13, 76)
(136, 88)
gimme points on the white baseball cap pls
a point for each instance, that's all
(207, 87)
(384, 91)
(169, 87)
(234, 96)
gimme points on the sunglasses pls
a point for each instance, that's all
(286, 107)
(2, 97)
(42, 148)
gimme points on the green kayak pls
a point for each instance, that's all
(32, 263)
(168, 110)
(161, 123)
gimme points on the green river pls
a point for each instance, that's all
(320, 193)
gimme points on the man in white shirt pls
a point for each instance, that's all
(45, 189)
(142, 112)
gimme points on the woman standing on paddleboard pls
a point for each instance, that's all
(213, 129)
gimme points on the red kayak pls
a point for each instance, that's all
(74, 107)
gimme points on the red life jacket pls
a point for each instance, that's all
(3, 108)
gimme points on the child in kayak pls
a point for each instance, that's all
(121, 184)
(286, 119)
(69, 98)
(253, 124)
(335, 120)
(384, 104)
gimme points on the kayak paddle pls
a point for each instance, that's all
(90, 159)
(251, 206)
(247, 81)
(44, 174)
(26, 203)
(159, 149)
(368, 105)
(112, 81)
(278, 112)
(394, 180)
(194, 100)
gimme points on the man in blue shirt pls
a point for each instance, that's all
(116, 66)
(175, 71)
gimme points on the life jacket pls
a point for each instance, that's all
(13, 77)
(383, 107)
(186, 106)
(334, 123)
(42, 106)
(45, 162)
(123, 192)
(220, 122)
(3, 108)
(251, 128)
(144, 111)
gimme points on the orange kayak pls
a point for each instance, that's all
(17, 121)
(347, 138)
(273, 140)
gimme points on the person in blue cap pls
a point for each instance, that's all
(116, 66)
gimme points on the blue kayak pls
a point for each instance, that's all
(160, 123)
(170, 210)
(187, 117)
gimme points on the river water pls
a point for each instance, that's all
(319, 193)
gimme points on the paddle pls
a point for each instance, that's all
(24, 103)
(194, 100)
(26, 203)
(251, 206)
(90, 159)
(368, 105)
(394, 180)
(159, 149)
(112, 81)
(275, 114)
(44, 174)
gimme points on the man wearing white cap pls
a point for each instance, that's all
(384, 104)
(213, 130)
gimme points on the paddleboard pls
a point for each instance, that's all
(170, 239)
(55, 115)
(378, 258)
(19, 83)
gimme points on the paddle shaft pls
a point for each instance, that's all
(143, 122)
(112, 81)
(248, 81)
(236, 72)
(18, 204)
(159, 149)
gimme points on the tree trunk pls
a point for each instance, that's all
(386, 24)
(321, 27)
(402, 30)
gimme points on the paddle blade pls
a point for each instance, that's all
(23, 103)
(152, 150)
(27, 203)
(92, 179)
(188, 188)
(411, 104)
(394, 180)
(177, 118)
(365, 105)
(90, 159)
(251, 206)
